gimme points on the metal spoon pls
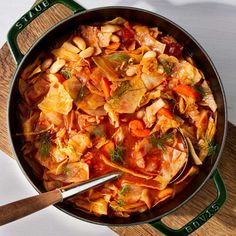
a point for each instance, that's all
(16, 210)
(180, 173)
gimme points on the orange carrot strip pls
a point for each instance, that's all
(105, 87)
(108, 147)
(140, 132)
(136, 124)
(60, 78)
(186, 90)
(166, 112)
(137, 128)
(113, 46)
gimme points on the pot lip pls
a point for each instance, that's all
(182, 31)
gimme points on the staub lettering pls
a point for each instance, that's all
(201, 219)
(35, 11)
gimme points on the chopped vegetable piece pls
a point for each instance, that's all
(60, 78)
(138, 129)
(113, 46)
(105, 87)
(109, 147)
(186, 91)
(166, 112)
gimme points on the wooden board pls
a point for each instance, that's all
(223, 223)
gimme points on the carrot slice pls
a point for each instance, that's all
(60, 78)
(137, 128)
(108, 147)
(113, 46)
(166, 112)
(136, 124)
(141, 132)
(186, 90)
(105, 87)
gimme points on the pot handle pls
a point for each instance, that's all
(203, 217)
(28, 17)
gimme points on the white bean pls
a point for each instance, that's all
(115, 38)
(131, 71)
(57, 65)
(88, 52)
(79, 42)
(149, 54)
(70, 47)
(110, 28)
(140, 114)
(46, 64)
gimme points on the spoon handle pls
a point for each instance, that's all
(16, 210)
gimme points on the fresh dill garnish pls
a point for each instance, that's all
(123, 88)
(199, 90)
(66, 73)
(114, 208)
(99, 131)
(116, 57)
(81, 94)
(160, 142)
(168, 66)
(117, 154)
(124, 190)
(211, 148)
(120, 202)
(44, 144)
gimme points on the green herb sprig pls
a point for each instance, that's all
(66, 73)
(44, 144)
(117, 57)
(122, 89)
(124, 190)
(117, 155)
(211, 148)
(160, 142)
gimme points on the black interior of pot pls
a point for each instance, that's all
(202, 62)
